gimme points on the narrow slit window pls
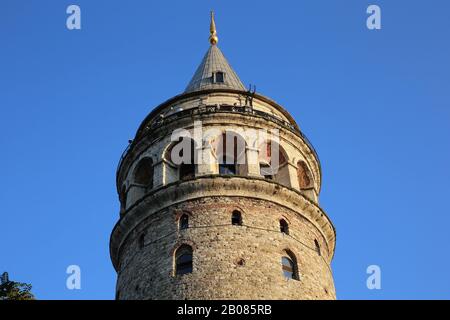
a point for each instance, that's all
(184, 222)
(236, 218)
(284, 227)
(316, 243)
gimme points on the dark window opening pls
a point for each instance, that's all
(187, 170)
(143, 174)
(184, 222)
(219, 77)
(183, 260)
(317, 247)
(228, 169)
(284, 227)
(236, 218)
(231, 154)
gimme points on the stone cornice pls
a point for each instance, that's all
(220, 186)
(189, 95)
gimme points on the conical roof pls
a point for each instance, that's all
(206, 76)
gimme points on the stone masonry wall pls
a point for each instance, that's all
(148, 272)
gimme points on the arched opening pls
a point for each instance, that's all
(183, 222)
(183, 260)
(304, 175)
(289, 266)
(273, 163)
(236, 218)
(231, 154)
(284, 226)
(182, 155)
(143, 174)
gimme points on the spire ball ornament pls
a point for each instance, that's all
(213, 38)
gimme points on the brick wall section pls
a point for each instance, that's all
(147, 273)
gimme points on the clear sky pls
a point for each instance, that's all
(375, 104)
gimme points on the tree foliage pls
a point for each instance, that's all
(11, 290)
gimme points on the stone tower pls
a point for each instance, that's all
(219, 196)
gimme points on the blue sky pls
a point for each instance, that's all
(375, 104)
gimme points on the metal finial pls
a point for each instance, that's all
(213, 38)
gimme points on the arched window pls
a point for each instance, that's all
(141, 241)
(183, 260)
(231, 154)
(316, 243)
(143, 174)
(236, 218)
(284, 227)
(304, 175)
(183, 223)
(289, 266)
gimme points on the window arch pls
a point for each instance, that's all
(231, 154)
(236, 218)
(183, 260)
(289, 266)
(143, 174)
(304, 175)
(183, 222)
(284, 226)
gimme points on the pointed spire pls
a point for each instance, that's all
(214, 72)
(213, 38)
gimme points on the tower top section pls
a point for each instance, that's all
(214, 72)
